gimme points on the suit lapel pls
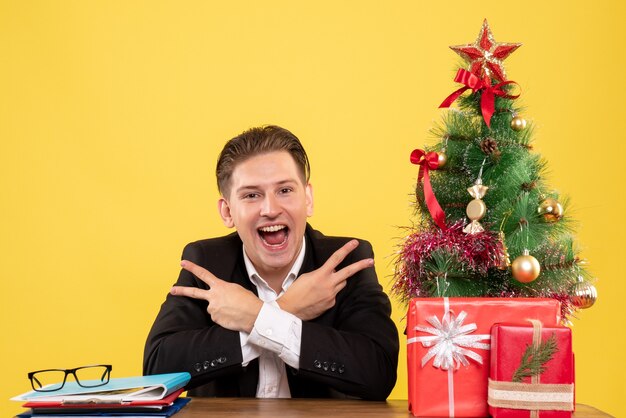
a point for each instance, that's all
(249, 378)
(226, 263)
(314, 251)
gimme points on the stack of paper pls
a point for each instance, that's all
(143, 396)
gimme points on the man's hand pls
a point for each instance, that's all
(230, 305)
(314, 293)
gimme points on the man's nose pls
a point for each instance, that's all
(270, 206)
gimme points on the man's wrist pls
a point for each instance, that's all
(254, 314)
(283, 303)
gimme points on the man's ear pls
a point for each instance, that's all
(224, 210)
(309, 199)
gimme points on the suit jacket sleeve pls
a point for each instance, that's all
(353, 347)
(183, 337)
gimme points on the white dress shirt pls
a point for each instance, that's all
(276, 336)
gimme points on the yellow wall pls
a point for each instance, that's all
(112, 114)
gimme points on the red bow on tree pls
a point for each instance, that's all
(429, 161)
(488, 98)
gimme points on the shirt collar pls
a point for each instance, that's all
(256, 278)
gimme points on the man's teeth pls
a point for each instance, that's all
(272, 228)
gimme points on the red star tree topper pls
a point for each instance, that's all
(485, 55)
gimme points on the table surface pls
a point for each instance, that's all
(329, 408)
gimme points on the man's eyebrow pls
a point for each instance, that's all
(257, 186)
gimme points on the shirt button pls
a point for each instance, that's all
(221, 360)
(197, 366)
(333, 367)
(325, 366)
(262, 343)
(341, 369)
(268, 331)
(205, 365)
(317, 364)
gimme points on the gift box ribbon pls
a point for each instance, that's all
(533, 396)
(449, 344)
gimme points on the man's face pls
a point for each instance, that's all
(268, 204)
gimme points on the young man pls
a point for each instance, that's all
(276, 309)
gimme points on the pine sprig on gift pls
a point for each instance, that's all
(534, 359)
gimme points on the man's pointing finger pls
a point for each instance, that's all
(200, 272)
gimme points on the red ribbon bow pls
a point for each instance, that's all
(429, 161)
(488, 99)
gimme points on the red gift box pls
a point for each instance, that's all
(551, 393)
(448, 349)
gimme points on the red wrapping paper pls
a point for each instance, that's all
(462, 392)
(508, 343)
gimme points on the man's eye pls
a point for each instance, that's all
(250, 195)
(286, 190)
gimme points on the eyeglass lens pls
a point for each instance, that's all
(91, 376)
(48, 380)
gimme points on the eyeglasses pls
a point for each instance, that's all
(50, 380)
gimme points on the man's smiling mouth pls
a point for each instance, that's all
(274, 235)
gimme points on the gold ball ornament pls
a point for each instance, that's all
(551, 210)
(518, 123)
(525, 268)
(442, 158)
(584, 295)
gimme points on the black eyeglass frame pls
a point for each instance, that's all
(106, 376)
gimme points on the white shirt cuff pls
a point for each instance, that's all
(278, 331)
(249, 351)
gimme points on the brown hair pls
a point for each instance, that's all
(256, 141)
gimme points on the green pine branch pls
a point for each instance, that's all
(447, 276)
(534, 359)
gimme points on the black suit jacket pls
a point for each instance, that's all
(351, 349)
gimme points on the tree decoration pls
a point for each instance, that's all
(584, 294)
(476, 209)
(488, 91)
(489, 146)
(442, 158)
(485, 55)
(518, 123)
(525, 268)
(429, 161)
(551, 210)
(423, 268)
(505, 260)
(445, 255)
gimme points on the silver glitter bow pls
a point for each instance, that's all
(448, 339)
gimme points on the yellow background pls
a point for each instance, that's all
(112, 114)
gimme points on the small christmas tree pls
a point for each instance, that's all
(481, 200)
